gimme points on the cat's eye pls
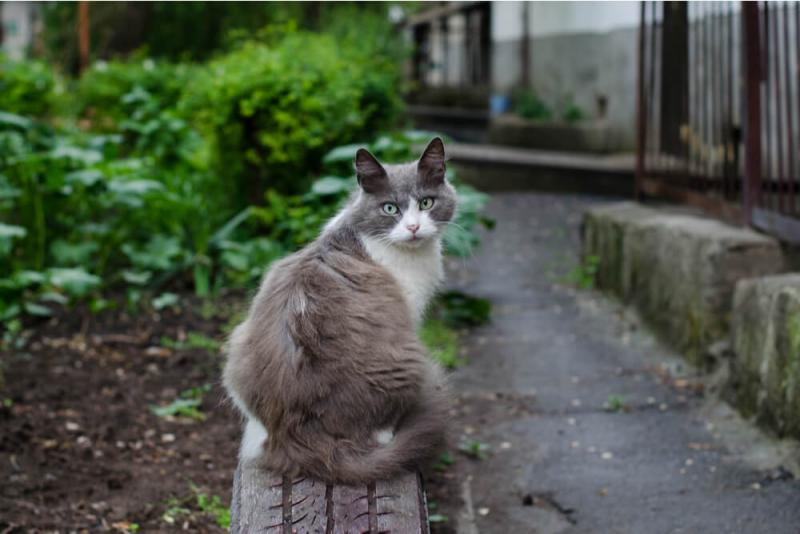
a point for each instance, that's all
(389, 208)
(426, 203)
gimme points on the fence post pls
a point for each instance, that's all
(751, 186)
(640, 110)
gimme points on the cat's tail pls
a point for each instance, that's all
(418, 438)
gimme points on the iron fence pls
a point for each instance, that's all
(719, 109)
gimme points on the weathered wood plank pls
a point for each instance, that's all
(309, 507)
(269, 504)
(258, 501)
(350, 510)
(399, 505)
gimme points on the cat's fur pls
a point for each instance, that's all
(327, 367)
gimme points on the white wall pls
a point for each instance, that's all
(554, 18)
(579, 51)
(18, 19)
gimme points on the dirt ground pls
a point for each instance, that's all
(81, 449)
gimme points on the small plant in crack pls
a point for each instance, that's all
(615, 403)
(474, 448)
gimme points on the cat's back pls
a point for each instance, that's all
(325, 300)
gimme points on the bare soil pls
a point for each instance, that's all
(80, 448)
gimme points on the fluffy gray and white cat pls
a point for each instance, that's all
(327, 367)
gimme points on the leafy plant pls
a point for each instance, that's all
(213, 506)
(529, 105)
(474, 448)
(194, 340)
(26, 87)
(444, 462)
(186, 405)
(442, 343)
(584, 274)
(615, 403)
(273, 109)
(572, 112)
(458, 309)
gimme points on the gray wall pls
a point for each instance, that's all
(585, 65)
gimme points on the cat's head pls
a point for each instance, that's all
(404, 205)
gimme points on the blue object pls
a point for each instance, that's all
(499, 104)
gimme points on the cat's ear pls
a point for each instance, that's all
(431, 166)
(370, 173)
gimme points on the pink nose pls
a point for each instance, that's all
(413, 228)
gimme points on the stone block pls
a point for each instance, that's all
(678, 269)
(765, 338)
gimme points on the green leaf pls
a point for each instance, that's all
(180, 407)
(134, 187)
(9, 231)
(165, 300)
(37, 309)
(342, 153)
(81, 155)
(137, 278)
(52, 296)
(75, 281)
(10, 119)
(332, 185)
(66, 253)
(86, 177)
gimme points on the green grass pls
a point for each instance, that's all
(442, 342)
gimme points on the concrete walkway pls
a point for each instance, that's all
(657, 458)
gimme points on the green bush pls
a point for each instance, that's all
(271, 111)
(529, 105)
(26, 87)
(100, 94)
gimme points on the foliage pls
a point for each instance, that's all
(442, 343)
(26, 87)
(584, 275)
(143, 192)
(188, 30)
(529, 105)
(213, 506)
(272, 110)
(194, 340)
(474, 448)
(572, 112)
(615, 403)
(186, 405)
(200, 501)
(105, 92)
(444, 462)
(459, 310)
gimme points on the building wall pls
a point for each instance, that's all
(18, 20)
(583, 51)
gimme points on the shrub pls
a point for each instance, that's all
(26, 87)
(529, 105)
(101, 91)
(271, 111)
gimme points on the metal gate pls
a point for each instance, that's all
(719, 110)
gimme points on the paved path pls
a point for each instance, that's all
(535, 387)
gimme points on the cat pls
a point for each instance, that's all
(327, 367)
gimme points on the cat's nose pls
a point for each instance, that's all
(412, 228)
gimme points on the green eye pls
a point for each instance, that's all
(389, 208)
(426, 203)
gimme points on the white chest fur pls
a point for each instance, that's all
(418, 270)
